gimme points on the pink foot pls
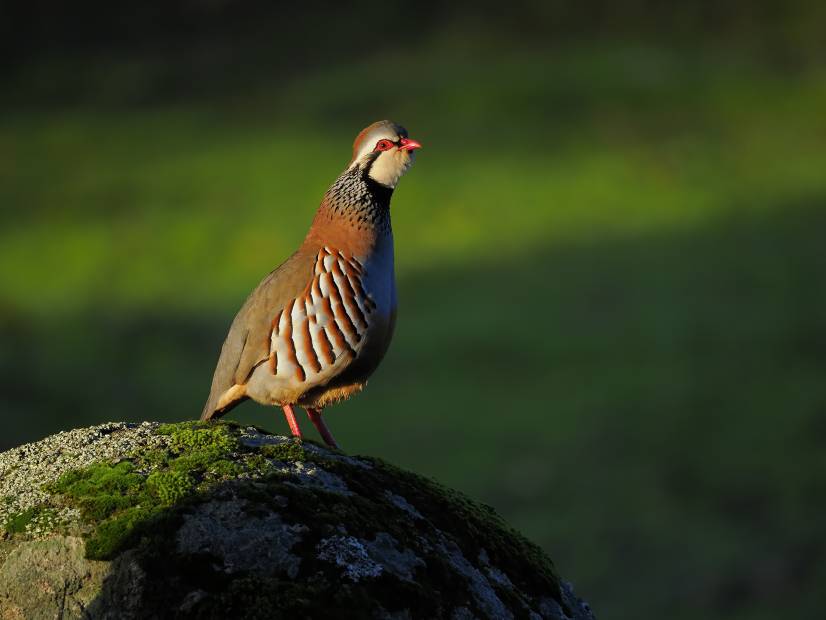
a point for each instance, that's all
(321, 427)
(290, 415)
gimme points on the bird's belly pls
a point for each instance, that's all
(326, 342)
(348, 374)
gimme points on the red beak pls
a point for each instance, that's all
(408, 144)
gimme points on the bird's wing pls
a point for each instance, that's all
(248, 341)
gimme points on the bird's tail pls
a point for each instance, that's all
(220, 403)
(209, 412)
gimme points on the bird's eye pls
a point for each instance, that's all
(384, 145)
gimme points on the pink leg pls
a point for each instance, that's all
(321, 427)
(290, 415)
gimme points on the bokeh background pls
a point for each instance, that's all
(611, 256)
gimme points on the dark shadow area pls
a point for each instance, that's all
(170, 50)
(650, 410)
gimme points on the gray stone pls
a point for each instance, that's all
(230, 522)
(49, 579)
(349, 553)
(385, 550)
(241, 542)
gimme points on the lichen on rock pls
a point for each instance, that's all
(218, 520)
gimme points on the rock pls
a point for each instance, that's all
(49, 578)
(199, 520)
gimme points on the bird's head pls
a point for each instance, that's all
(384, 152)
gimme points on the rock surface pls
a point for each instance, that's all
(220, 521)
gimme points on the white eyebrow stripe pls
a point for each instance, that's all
(370, 140)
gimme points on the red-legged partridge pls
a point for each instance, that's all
(316, 328)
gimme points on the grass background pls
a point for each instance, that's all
(610, 257)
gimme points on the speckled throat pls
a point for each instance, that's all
(360, 201)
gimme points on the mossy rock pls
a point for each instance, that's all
(199, 520)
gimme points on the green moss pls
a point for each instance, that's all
(257, 463)
(199, 449)
(155, 458)
(289, 451)
(170, 486)
(225, 468)
(102, 477)
(195, 463)
(16, 524)
(101, 506)
(119, 500)
(196, 436)
(175, 427)
(100, 489)
(119, 532)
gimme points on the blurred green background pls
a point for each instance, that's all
(610, 253)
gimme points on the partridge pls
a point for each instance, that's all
(316, 328)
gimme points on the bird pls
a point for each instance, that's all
(315, 328)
